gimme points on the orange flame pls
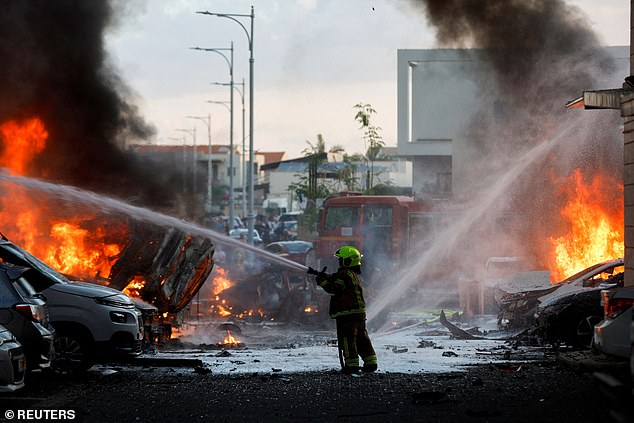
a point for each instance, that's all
(220, 281)
(133, 289)
(594, 219)
(38, 226)
(229, 339)
(26, 140)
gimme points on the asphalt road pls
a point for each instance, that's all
(496, 392)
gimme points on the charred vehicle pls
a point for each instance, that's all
(164, 267)
(564, 312)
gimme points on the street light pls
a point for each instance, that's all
(250, 35)
(192, 132)
(229, 61)
(207, 121)
(231, 195)
(244, 151)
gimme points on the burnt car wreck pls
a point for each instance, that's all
(164, 267)
(562, 313)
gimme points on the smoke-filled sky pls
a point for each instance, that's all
(314, 59)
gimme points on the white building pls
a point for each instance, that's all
(396, 172)
(437, 97)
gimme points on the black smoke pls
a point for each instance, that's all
(537, 55)
(54, 65)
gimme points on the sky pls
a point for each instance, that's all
(314, 60)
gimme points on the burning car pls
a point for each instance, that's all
(566, 311)
(87, 318)
(164, 267)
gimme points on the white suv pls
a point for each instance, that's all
(90, 320)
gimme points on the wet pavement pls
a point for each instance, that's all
(284, 373)
(529, 392)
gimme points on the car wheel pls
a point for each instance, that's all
(585, 331)
(70, 354)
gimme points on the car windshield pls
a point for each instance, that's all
(590, 272)
(298, 247)
(19, 257)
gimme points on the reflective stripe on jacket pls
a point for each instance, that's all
(347, 293)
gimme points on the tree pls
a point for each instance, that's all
(372, 139)
(308, 186)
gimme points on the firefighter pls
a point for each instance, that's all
(347, 307)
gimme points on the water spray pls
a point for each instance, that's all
(74, 194)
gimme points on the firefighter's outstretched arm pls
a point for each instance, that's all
(331, 283)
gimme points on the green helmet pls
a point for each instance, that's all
(349, 256)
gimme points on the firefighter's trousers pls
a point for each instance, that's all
(353, 340)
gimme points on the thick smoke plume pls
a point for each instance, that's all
(55, 67)
(529, 58)
(537, 54)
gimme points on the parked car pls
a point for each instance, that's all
(570, 312)
(23, 312)
(296, 251)
(243, 234)
(566, 311)
(12, 362)
(290, 216)
(90, 320)
(612, 335)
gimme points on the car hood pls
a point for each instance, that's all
(565, 291)
(85, 289)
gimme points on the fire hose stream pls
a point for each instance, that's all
(73, 194)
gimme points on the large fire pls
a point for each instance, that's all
(73, 242)
(593, 214)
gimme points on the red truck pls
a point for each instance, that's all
(382, 227)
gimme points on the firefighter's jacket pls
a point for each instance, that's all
(345, 290)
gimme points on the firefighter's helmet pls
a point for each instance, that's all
(349, 256)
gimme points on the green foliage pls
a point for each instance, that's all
(308, 185)
(372, 138)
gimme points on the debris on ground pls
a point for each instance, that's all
(426, 344)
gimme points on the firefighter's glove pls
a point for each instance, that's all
(321, 276)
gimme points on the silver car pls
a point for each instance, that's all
(612, 335)
(12, 362)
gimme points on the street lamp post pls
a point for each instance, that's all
(207, 121)
(230, 64)
(250, 36)
(243, 180)
(226, 104)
